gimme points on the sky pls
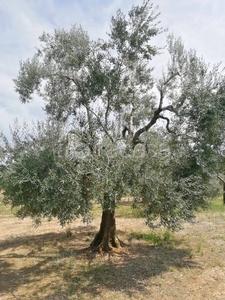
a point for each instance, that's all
(200, 24)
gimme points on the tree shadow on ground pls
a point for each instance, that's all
(26, 259)
(129, 273)
(29, 259)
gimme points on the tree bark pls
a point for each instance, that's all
(105, 240)
(223, 183)
(224, 192)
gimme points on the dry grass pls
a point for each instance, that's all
(47, 263)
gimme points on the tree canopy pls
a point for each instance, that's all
(113, 128)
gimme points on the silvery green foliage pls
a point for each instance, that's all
(40, 179)
(167, 183)
(114, 129)
(96, 82)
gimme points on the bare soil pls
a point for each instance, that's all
(49, 263)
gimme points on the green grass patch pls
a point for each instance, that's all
(96, 210)
(217, 204)
(6, 209)
(157, 239)
(125, 210)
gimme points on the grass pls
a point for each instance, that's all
(217, 205)
(6, 209)
(157, 239)
(126, 210)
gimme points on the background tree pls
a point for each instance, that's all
(99, 143)
(220, 116)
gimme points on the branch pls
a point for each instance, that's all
(157, 113)
(221, 179)
(161, 90)
(161, 98)
(170, 108)
(107, 112)
(100, 122)
(170, 78)
(65, 76)
(167, 124)
(131, 121)
(126, 129)
(137, 134)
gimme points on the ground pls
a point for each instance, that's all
(53, 263)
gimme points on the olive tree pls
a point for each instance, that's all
(114, 129)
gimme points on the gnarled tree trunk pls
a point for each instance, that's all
(106, 239)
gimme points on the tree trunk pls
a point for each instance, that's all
(106, 239)
(224, 192)
(223, 183)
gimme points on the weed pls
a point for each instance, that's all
(199, 248)
(190, 254)
(68, 232)
(157, 239)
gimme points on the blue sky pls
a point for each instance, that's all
(200, 23)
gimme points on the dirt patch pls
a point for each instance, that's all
(44, 263)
